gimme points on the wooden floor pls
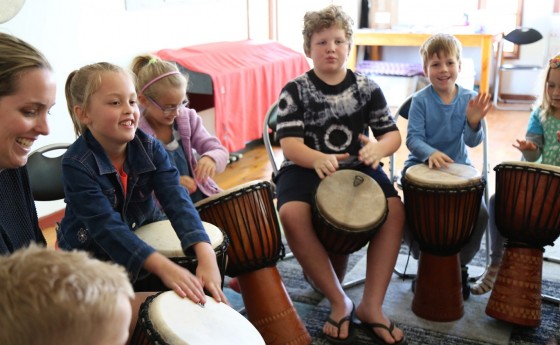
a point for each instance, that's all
(503, 128)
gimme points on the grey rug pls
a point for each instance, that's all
(475, 327)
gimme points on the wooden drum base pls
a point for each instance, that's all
(516, 296)
(270, 309)
(437, 295)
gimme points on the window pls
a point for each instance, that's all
(492, 16)
(506, 16)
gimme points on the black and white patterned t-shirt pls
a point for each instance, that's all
(329, 118)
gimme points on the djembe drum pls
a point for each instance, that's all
(161, 236)
(442, 207)
(349, 207)
(528, 216)
(167, 319)
(247, 215)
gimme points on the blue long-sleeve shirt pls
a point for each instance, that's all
(435, 126)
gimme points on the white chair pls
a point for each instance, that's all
(519, 36)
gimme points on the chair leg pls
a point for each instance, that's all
(551, 259)
(550, 299)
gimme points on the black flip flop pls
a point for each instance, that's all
(368, 327)
(350, 338)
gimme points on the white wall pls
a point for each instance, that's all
(72, 33)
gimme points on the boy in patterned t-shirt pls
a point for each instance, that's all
(324, 117)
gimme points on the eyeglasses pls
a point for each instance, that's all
(170, 110)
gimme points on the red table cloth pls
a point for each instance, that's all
(247, 78)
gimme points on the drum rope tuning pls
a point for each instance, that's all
(442, 207)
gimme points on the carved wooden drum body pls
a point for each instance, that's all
(248, 216)
(528, 216)
(442, 207)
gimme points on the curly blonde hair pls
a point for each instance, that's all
(332, 15)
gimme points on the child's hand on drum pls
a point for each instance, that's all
(175, 277)
(326, 164)
(371, 153)
(438, 160)
(208, 272)
(525, 145)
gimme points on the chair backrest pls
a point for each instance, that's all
(402, 111)
(270, 121)
(45, 173)
(523, 36)
(404, 108)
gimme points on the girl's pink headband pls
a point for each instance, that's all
(156, 79)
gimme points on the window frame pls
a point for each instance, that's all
(513, 54)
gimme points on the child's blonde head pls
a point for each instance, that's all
(58, 297)
(546, 107)
(81, 84)
(315, 21)
(440, 44)
(149, 68)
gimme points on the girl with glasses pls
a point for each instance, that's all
(162, 94)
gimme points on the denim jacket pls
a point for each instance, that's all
(100, 219)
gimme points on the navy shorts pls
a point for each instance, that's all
(294, 183)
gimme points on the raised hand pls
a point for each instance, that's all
(526, 145)
(477, 108)
(371, 153)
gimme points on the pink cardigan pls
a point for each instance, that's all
(195, 136)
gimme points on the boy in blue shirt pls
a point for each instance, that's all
(444, 119)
